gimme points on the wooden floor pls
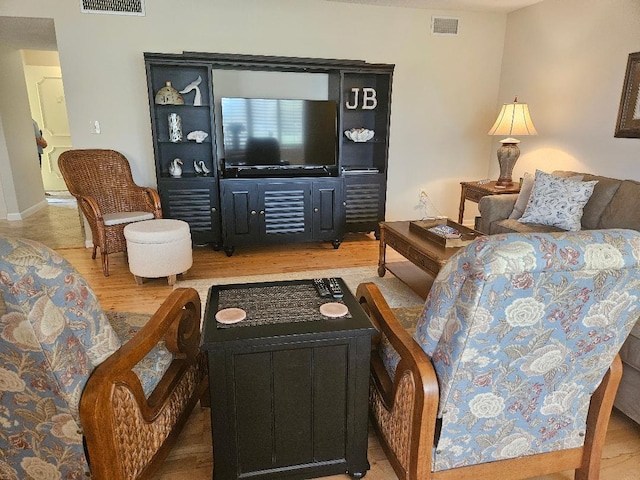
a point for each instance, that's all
(191, 458)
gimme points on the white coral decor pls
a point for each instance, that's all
(524, 312)
(486, 405)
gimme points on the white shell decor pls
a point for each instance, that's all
(359, 134)
(197, 135)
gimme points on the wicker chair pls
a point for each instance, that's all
(108, 197)
(88, 393)
(513, 365)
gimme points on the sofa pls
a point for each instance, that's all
(614, 203)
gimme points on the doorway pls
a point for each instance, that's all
(45, 89)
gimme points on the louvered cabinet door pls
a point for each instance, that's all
(365, 197)
(285, 211)
(194, 201)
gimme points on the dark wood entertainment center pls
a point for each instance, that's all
(289, 205)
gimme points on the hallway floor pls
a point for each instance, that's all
(57, 225)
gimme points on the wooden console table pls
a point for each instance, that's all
(474, 191)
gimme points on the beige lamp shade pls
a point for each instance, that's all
(513, 120)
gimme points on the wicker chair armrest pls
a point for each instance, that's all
(177, 322)
(153, 200)
(90, 208)
(114, 392)
(414, 395)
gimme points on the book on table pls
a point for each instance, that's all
(445, 232)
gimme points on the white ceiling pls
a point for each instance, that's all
(39, 33)
(501, 6)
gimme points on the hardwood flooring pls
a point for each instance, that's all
(191, 457)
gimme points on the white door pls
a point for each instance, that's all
(48, 108)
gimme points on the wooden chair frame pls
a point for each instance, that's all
(128, 435)
(407, 408)
(102, 183)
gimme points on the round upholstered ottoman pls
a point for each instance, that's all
(158, 248)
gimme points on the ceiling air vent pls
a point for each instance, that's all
(444, 25)
(113, 7)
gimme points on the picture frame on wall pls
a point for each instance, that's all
(628, 125)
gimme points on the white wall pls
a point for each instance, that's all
(567, 60)
(22, 189)
(444, 93)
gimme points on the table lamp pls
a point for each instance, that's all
(513, 119)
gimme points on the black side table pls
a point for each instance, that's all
(288, 400)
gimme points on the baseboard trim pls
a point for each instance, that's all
(12, 217)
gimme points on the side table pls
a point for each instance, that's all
(288, 389)
(474, 191)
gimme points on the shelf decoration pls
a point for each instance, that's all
(200, 167)
(359, 135)
(175, 128)
(168, 95)
(198, 135)
(197, 101)
(175, 168)
(369, 99)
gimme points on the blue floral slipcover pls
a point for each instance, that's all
(52, 336)
(521, 329)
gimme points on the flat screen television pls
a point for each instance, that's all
(279, 134)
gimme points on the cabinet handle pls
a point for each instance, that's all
(344, 204)
(253, 212)
(261, 212)
(316, 210)
(213, 209)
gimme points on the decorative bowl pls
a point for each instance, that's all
(359, 134)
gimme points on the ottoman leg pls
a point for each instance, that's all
(139, 280)
(172, 279)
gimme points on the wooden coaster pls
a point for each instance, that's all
(333, 309)
(231, 315)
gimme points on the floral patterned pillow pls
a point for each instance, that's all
(557, 201)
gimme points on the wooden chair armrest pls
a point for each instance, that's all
(177, 322)
(113, 394)
(414, 367)
(411, 354)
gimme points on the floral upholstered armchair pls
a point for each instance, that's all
(513, 366)
(86, 393)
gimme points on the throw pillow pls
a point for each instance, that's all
(557, 201)
(525, 193)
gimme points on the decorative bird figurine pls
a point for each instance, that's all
(204, 168)
(197, 101)
(196, 167)
(175, 169)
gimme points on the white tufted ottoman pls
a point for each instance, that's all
(158, 248)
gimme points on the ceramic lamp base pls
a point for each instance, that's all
(508, 154)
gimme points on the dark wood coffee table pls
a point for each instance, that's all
(288, 400)
(423, 253)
